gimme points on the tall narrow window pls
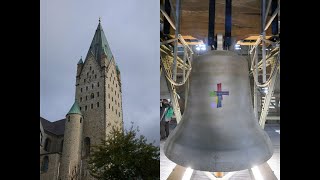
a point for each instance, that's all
(95, 76)
(92, 86)
(116, 111)
(111, 89)
(87, 146)
(85, 108)
(92, 71)
(112, 108)
(80, 99)
(91, 106)
(68, 118)
(81, 120)
(61, 146)
(92, 96)
(115, 101)
(97, 94)
(112, 82)
(97, 104)
(119, 114)
(90, 68)
(116, 85)
(81, 90)
(80, 108)
(45, 164)
(109, 105)
(86, 97)
(87, 74)
(84, 80)
(108, 95)
(108, 85)
(118, 104)
(47, 144)
(112, 99)
(110, 77)
(115, 92)
(86, 88)
(98, 84)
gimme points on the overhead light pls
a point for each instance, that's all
(198, 48)
(237, 47)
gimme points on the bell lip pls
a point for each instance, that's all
(245, 164)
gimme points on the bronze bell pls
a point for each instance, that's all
(218, 131)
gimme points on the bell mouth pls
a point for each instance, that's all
(218, 160)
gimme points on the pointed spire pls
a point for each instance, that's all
(75, 109)
(99, 44)
(80, 61)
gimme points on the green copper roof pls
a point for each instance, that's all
(75, 109)
(117, 68)
(99, 45)
(80, 61)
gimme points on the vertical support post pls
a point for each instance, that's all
(274, 24)
(263, 14)
(174, 67)
(211, 23)
(255, 90)
(166, 24)
(184, 63)
(228, 23)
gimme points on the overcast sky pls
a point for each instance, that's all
(132, 31)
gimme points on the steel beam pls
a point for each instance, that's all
(166, 24)
(211, 35)
(228, 23)
(274, 25)
(174, 67)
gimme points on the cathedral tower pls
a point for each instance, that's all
(98, 92)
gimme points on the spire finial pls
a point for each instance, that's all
(99, 19)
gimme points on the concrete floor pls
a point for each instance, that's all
(273, 130)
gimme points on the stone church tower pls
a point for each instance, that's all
(65, 144)
(98, 93)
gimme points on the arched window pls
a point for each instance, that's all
(80, 99)
(45, 164)
(47, 144)
(98, 84)
(61, 146)
(92, 86)
(92, 96)
(87, 146)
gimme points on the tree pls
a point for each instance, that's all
(125, 156)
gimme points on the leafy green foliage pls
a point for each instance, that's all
(125, 156)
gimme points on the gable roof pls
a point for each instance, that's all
(56, 127)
